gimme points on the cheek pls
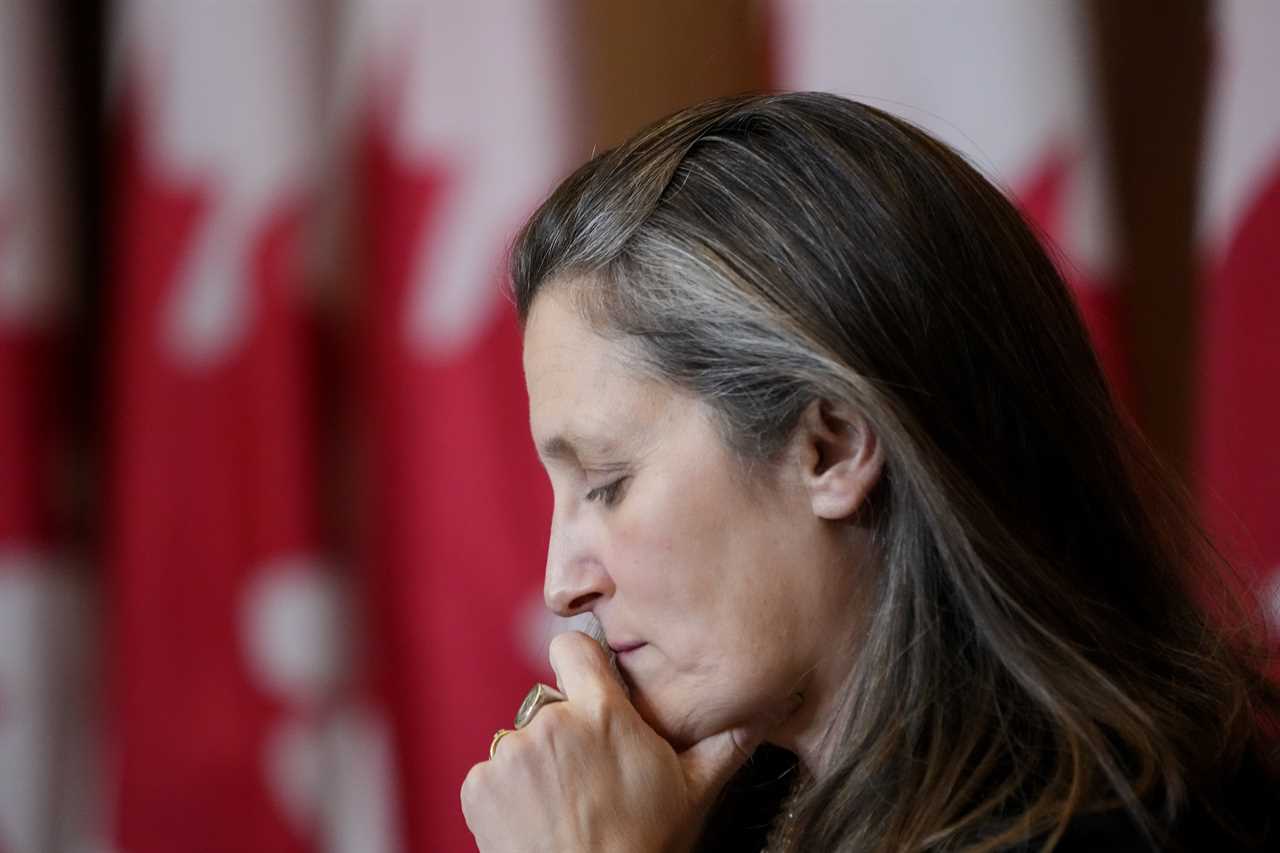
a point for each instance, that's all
(672, 545)
(708, 590)
(701, 570)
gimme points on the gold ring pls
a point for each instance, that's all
(538, 698)
(497, 736)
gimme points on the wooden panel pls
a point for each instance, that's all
(643, 60)
(1153, 59)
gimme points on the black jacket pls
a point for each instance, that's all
(1244, 817)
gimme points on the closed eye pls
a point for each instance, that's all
(608, 494)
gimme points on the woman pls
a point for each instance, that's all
(837, 472)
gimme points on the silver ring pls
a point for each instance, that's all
(538, 698)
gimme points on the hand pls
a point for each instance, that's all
(589, 774)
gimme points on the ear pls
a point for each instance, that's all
(840, 458)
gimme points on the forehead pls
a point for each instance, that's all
(575, 376)
(557, 339)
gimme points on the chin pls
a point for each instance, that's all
(679, 720)
(671, 722)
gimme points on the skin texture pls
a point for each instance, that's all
(743, 597)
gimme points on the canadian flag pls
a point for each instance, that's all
(224, 643)
(1000, 81)
(1239, 452)
(463, 120)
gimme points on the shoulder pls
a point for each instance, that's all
(1111, 832)
(1240, 817)
(750, 802)
(1116, 832)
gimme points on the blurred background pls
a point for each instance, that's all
(271, 526)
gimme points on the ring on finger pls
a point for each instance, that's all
(497, 736)
(538, 698)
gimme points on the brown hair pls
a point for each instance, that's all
(1033, 650)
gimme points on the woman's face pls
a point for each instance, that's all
(721, 601)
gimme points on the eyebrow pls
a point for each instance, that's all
(566, 445)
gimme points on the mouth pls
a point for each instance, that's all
(596, 631)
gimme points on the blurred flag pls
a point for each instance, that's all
(463, 128)
(224, 644)
(1003, 82)
(1239, 453)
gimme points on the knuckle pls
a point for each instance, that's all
(548, 735)
(561, 715)
(471, 785)
(545, 726)
(605, 713)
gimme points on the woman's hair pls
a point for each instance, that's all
(1034, 648)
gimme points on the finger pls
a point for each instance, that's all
(712, 761)
(471, 794)
(496, 740)
(582, 669)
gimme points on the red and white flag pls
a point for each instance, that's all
(1004, 82)
(463, 127)
(223, 642)
(1239, 438)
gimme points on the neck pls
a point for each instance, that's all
(805, 731)
(825, 685)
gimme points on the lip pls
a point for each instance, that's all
(623, 648)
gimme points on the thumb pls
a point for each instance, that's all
(710, 762)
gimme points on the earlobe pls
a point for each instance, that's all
(842, 459)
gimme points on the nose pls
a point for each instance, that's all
(575, 579)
